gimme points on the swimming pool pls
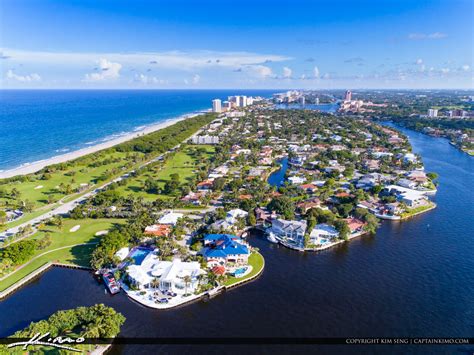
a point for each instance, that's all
(240, 271)
(139, 254)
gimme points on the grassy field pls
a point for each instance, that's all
(257, 261)
(183, 162)
(38, 190)
(70, 253)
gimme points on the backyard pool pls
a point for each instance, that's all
(240, 271)
(139, 254)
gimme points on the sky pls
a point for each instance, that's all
(98, 44)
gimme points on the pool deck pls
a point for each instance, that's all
(172, 303)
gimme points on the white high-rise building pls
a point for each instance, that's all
(243, 101)
(216, 105)
(238, 100)
(432, 112)
(348, 96)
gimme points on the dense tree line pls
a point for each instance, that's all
(98, 321)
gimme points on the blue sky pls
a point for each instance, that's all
(240, 44)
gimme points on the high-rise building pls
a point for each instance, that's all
(227, 105)
(216, 105)
(348, 96)
(301, 100)
(316, 101)
(243, 101)
(432, 112)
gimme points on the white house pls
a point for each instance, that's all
(170, 218)
(322, 233)
(407, 183)
(176, 276)
(296, 180)
(234, 214)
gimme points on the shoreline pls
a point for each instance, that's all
(30, 168)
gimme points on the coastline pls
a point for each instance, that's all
(30, 168)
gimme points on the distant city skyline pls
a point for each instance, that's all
(247, 45)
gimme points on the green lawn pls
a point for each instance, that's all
(37, 190)
(183, 162)
(257, 261)
(413, 211)
(78, 255)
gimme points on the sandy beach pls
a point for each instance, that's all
(38, 165)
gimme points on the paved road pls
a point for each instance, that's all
(63, 208)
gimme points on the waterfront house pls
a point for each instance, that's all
(417, 176)
(296, 180)
(225, 250)
(172, 275)
(293, 230)
(411, 198)
(407, 183)
(355, 225)
(322, 234)
(409, 158)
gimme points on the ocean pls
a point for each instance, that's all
(40, 124)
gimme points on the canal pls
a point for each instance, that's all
(414, 278)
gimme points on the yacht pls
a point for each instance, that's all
(110, 283)
(271, 237)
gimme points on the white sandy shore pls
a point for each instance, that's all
(38, 165)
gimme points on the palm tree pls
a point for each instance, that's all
(187, 280)
(155, 283)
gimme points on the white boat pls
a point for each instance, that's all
(271, 237)
(387, 216)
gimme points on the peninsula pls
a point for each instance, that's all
(166, 217)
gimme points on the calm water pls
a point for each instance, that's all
(39, 124)
(413, 278)
(277, 178)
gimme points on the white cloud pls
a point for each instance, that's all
(326, 76)
(316, 72)
(196, 79)
(23, 78)
(107, 70)
(420, 36)
(260, 71)
(287, 72)
(419, 61)
(466, 67)
(182, 60)
(145, 79)
(445, 70)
